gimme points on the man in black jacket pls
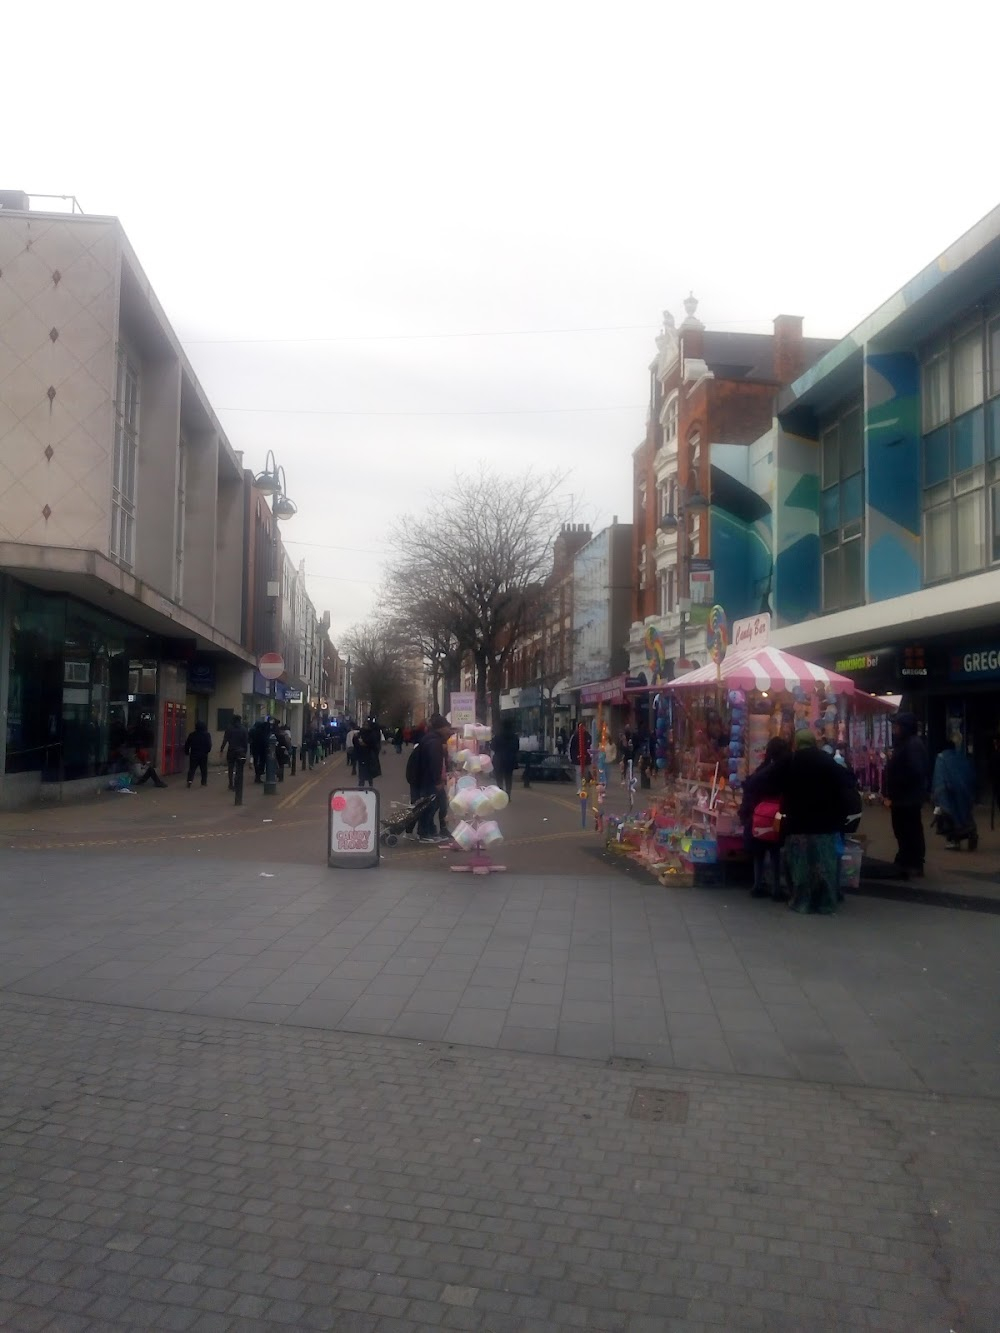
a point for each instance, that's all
(235, 744)
(907, 778)
(197, 748)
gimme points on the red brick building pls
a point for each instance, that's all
(706, 388)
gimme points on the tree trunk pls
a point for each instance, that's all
(495, 684)
(481, 686)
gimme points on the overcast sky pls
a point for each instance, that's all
(398, 240)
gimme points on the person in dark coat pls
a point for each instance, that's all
(197, 747)
(814, 809)
(504, 747)
(954, 790)
(763, 784)
(368, 745)
(431, 772)
(259, 733)
(235, 743)
(906, 782)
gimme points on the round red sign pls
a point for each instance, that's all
(271, 665)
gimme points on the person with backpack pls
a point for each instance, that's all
(761, 829)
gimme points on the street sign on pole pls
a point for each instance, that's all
(271, 666)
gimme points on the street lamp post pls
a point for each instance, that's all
(691, 503)
(271, 483)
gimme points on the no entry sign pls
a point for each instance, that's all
(353, 828)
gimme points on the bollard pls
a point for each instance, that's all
(291, 770)
(238, 768)
(271, 767)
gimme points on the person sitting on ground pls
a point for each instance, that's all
(954, 790)
(140, 766)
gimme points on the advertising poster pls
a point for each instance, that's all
(354, 828)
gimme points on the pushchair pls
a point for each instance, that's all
(403, 818)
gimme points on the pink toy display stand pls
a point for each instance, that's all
(478, 863)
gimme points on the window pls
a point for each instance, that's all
(181, 518)
(642, 497)
(670, 419)
(642, 565)
(126, 443)
(842, 500)
(961, 435)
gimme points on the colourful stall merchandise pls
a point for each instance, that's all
(724, 715)
(476, 831)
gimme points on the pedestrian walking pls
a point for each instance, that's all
(504, 750)
(235, 743)
(259, 733)
(906, 782)
(198, 747)
(397, 740)
(814, 809)
(369, 747)
(352, 753)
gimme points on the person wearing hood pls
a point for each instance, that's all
(954, 790)
(197, 747)
(906, 782)
(814, 809)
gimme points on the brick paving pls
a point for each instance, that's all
(166, 1171)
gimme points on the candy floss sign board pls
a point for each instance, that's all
(750, 634)
(354, 821)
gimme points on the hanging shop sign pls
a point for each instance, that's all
(914, 661)
(353, 840)
(604, 691)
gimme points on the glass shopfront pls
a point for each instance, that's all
(82, 685)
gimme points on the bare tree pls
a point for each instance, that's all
(471, 569)
(378, 653)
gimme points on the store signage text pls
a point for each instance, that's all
(983, 663)
(860, 662)
(751, 633)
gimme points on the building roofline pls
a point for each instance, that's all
(982, 234)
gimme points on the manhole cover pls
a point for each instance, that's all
(670, 1108)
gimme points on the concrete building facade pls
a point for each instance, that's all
(123, 515)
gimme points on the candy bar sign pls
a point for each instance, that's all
(750, 634)
(353, 828)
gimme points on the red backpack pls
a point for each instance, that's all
(765, 822)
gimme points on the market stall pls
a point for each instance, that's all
(723, 716)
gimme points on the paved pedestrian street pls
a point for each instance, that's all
(241, 1096)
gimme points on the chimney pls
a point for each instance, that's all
(789, 353)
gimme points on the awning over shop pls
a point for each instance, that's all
(765, 669)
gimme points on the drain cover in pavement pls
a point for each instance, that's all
(654, 1104)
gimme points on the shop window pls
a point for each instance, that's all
(842, 510)
(961, 432)
(123, 484)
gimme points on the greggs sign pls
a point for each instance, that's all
(750, 634)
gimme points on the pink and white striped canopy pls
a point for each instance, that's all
(765, 669)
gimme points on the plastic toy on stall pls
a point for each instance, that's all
(477, 831)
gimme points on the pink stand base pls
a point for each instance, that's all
(478, 864)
